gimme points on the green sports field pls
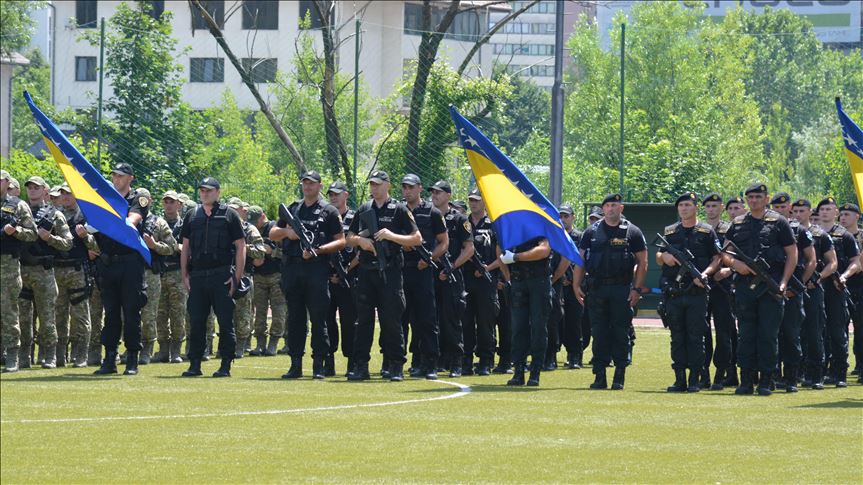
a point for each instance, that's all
(67, 426)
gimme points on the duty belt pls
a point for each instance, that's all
(618, 280)
(519, 274)
(46, 262)
(109, 259)
(210, 272)
(69, 263)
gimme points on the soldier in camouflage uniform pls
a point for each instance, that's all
(268, 292)
(160, 239)
(17, 227)
(74, 285)
(39, 288)
(172, 302)
(243, 308)
(14, 188)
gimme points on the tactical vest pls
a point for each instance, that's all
(799, 232)
(521, 270)
(172, 262)
(39, 252)
(293, 249)
(386, 217)
(609, 255)
(271, 265)
(698, 242)
(9, 244)
(817, 244)
(157, 261)
(837, 234)
(79, 249)
(422, 217)
(210, 244)
(765, 243)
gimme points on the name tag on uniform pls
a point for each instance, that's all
(618, 242)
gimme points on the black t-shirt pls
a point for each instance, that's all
(484, 242)
(766, 237)
(322, 220)
(392, 215)
(460, 232)
(137, 205)
(700, 240)
(856, 280)
(430, 223)
(233, 231)
(634, 236)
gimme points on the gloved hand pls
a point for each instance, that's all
(508, 257)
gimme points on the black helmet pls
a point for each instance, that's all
(245, 284)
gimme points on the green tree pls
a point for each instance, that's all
(16, 26)
(36, 79)
(527, 110)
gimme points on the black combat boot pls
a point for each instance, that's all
(11, 363)
(841, 378)
(131, 364)
(109, 363)
(225, 368)
(705, 378)
(317, 367)
(484, 367)
(694, 384)
(429, 370)
(456, 367)
(600, 382)
(746, 385)
(533, 380)
(503, 367)
(790, 379)
(296, 370)
(467, 365)
(349, 367)
(817, 378)
(360, 372)
(764, 383)
(719, 380)
(517, 376)
(731, 377)
(330, 366)
(385, 368)
(194, 369)
(397, 373)
(679, 381)
(619, 378)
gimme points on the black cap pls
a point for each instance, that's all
(460, 204)
(850, 207)
(756, 188)
(442, 185)
(379, 177)
(411, 179)
(780, 198)
(123, 168)
(209, 183)
(596, 211)
(475, 194)
(612, 198)
(826, 201)
(337, 187)
(802, 203)
(311, 175)
(565, 209)
(734, 200)
(690, 196)
(712, 197)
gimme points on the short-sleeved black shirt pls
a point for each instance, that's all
(460, 232)
(484, 241)
(766, 237)
(138, 204)
(322, 220)
(430, 223)
(700, 240)
(392, 215)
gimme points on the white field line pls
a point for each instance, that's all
(463, 390)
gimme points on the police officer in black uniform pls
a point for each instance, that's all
(685, 297)
(380, 288)
(419, 281)
(306, 274)
(572, 310)
(790, 352)
(341, 291)
(614, 250)
(557, 266)
(482, 304)
(814, 321)
(849, 217)
(121, 280)
(760, 233)
(213, 241)
(449, 289)
(836, 302)
(720, 306)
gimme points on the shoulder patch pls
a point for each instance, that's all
(143, 201)
(467, 226)
(739, 219)
(671, 229)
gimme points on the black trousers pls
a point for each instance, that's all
(450, 304)
(789, 334)
(208, 291)
(812, 331)
(504, 325)
(611, 319)
(480, 314)
(343, 304)
(759, 316)
(686, 316)
(531, 305)
(420, 314)
(571, 333)
(836, 306)
(388, 299)
(306, 288)
(720, 308)
(555, 320)
(123, 296)
(857, 322)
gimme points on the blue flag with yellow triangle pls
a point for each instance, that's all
(104, 207)
(517, 209)
(852, 136)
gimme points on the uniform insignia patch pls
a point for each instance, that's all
(143, 201)
(467, 226)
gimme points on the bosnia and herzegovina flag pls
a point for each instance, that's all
(517, 209)
(853, 138)
(104, 207)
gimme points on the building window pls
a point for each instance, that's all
(307, 7)
(206, 70)
(216, 8)
(541, 7)
(261, 70)
(85, 14)
(465, 26)
(524, 49)
(85, 68)
(261, 14)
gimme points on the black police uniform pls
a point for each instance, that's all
(342, 302)
(419, 287)
(815, 318)
(450, 294)
(855, 287)
(686, 303)
(555, 314)
(482, 305)
(382, 292)
(121, 283)
(573, 311)
(759, 313)
(836, 306)
(503, 326)
(610, 259)
(720, 306)
(531, 304)
(212, 253)
(790, 353)
(305, 282)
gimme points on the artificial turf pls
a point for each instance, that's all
(256, 427)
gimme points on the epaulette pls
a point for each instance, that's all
(816, 230)
(739, 219)
(771, 216)
(723, 227)
(837, 230)
(703, 227)
(671, 229)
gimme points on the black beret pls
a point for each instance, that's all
(734, 200)
(802, 203)
(712, 197)
(850, 207)
(690, 196)
(780, 198)
(756, 188)
(612, 198)
(826, 201)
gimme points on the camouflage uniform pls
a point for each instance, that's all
(39, 288)
(73, 291)
(269, 295)
(10, 274)
(172, 302)
(165, 245)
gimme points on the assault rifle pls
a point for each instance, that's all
(370, 221)
(759, 267)
(687, 263)
(305, 235)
